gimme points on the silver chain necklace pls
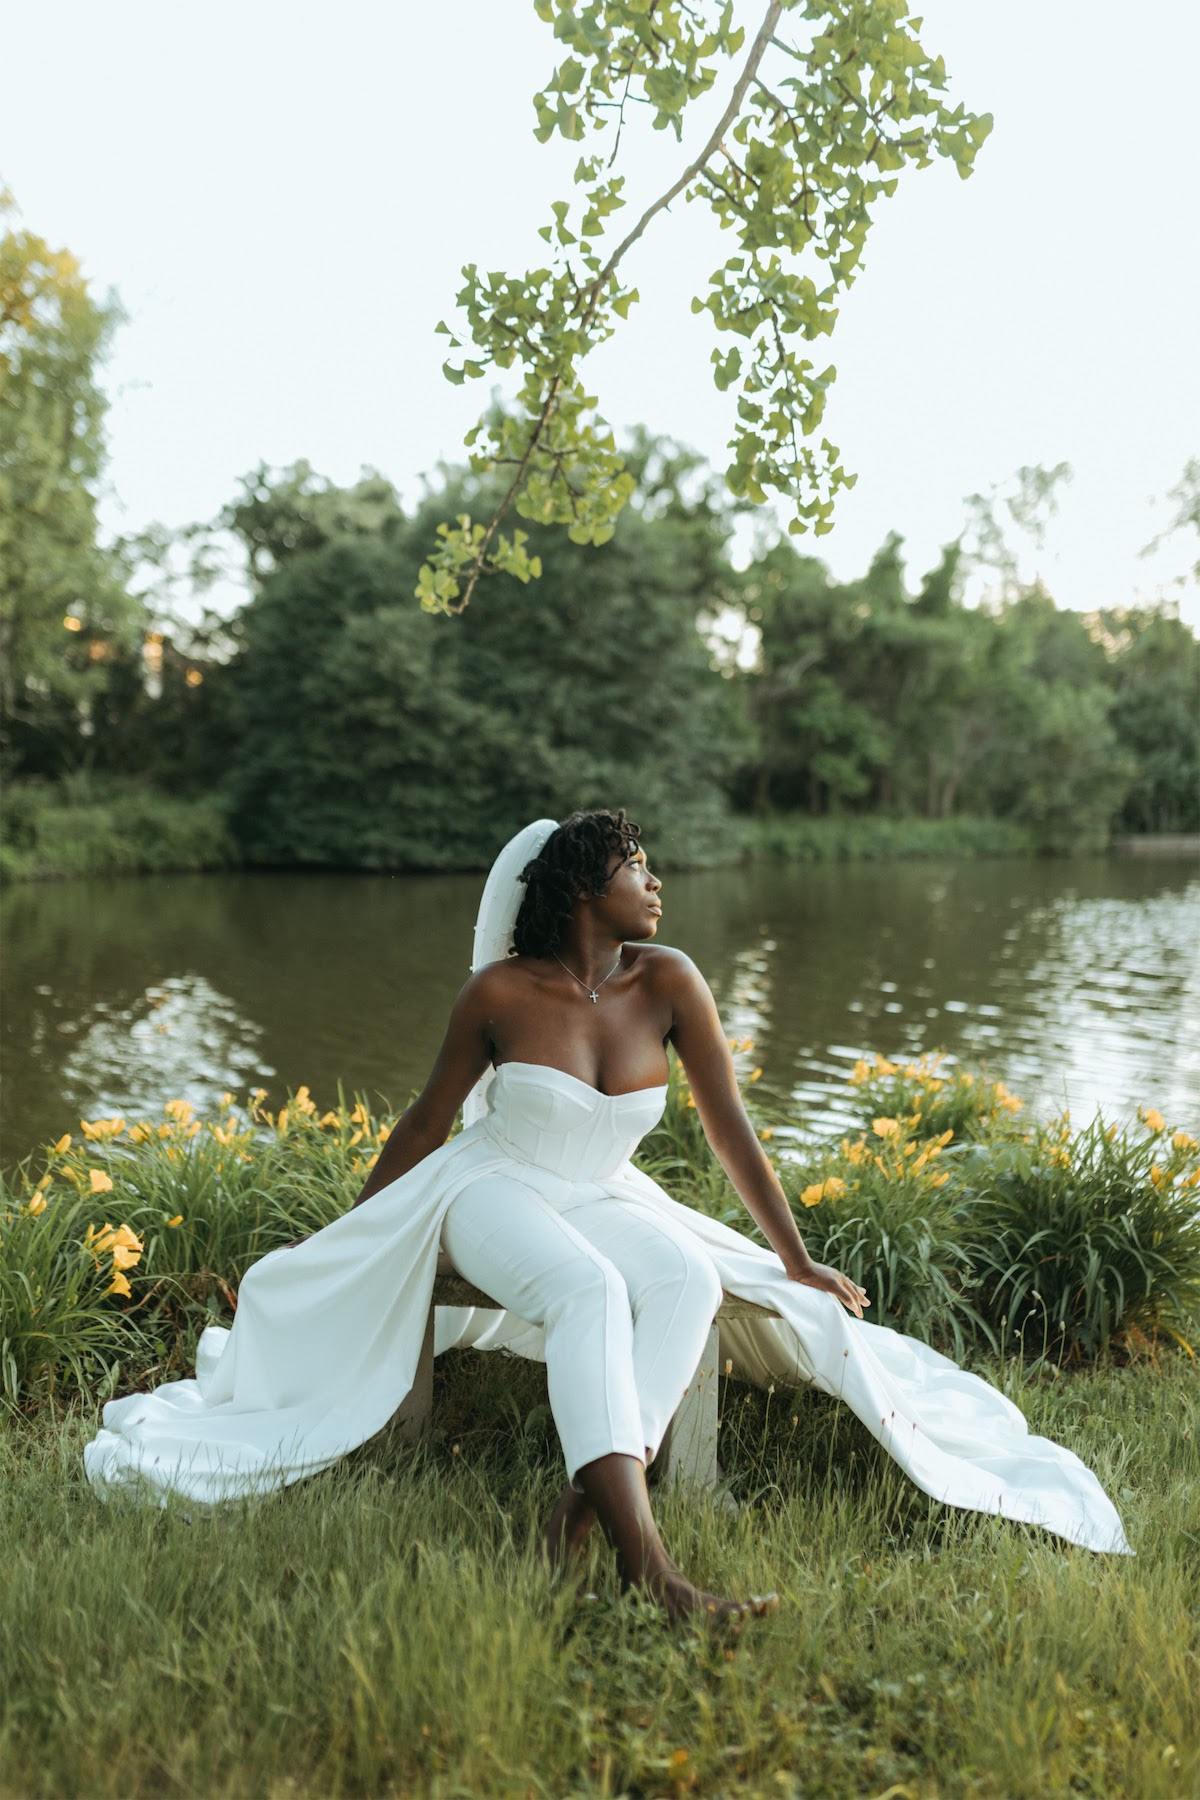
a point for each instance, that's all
(592, 991)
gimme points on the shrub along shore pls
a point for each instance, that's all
(115, 827)
(385, 1629)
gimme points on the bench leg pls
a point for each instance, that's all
(415, 1411)
(689, 1450)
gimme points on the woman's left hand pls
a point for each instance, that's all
(831, 1281)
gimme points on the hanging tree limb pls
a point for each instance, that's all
(819, 146)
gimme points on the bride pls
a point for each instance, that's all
(556, 1049)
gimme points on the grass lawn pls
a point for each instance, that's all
(384, 1630)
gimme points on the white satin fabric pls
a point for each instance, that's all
(327, 1336)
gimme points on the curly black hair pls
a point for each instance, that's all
(574, 859)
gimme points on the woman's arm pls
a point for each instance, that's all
(464, 1054)
(699, 1038)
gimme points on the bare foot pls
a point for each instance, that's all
(570, 1522)
(685, 1603)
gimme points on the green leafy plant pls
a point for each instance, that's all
(882, 1208)
(1085, 1243)
(933, 1096)
(815, 133)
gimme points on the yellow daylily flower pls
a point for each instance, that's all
(179, 1109)
(38, 1204)
(44, 1183)
(885, 1128)
(177, 1220)
(812, 1195)
(282, 1121)
(119, 1285)
(303, 1102)
(861, 1072)
(1181, 1141)
(1156, 1175)
(327, 1120)
(100, 1181)
(754, 1075)
(164, 1131)
(1152, 1119)
(63, 1145)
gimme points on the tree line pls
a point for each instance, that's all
(341, 724)
(344, 726)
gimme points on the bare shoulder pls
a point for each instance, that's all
(485, 987)
(669, 971)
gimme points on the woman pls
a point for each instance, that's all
(556, 1050)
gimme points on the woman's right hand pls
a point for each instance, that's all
(832, 1281)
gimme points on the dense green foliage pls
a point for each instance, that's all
(113, 826)
(967, 1229)
(871, 699)
(65, 608)
(336, 724)
(372, 734)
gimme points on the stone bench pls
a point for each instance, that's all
(688, 1453)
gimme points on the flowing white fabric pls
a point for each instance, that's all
(327, 1336)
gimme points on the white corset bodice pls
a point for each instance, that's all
(541, 1115)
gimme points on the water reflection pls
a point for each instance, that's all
(1077, 982)
(180, 1040)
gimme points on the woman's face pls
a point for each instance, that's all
(631, 899)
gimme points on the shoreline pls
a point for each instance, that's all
(146, 833)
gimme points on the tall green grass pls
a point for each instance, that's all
(384, 1629)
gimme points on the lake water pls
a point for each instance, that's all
(1078, 982)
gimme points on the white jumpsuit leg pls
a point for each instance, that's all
(626, 1302)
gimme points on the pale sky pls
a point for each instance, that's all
(283, 195)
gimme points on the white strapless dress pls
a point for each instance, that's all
(327, 1335)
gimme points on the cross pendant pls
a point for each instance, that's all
(592, 995)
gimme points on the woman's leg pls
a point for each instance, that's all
(674, 1293)
(507, 1239)
(511, 1242)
